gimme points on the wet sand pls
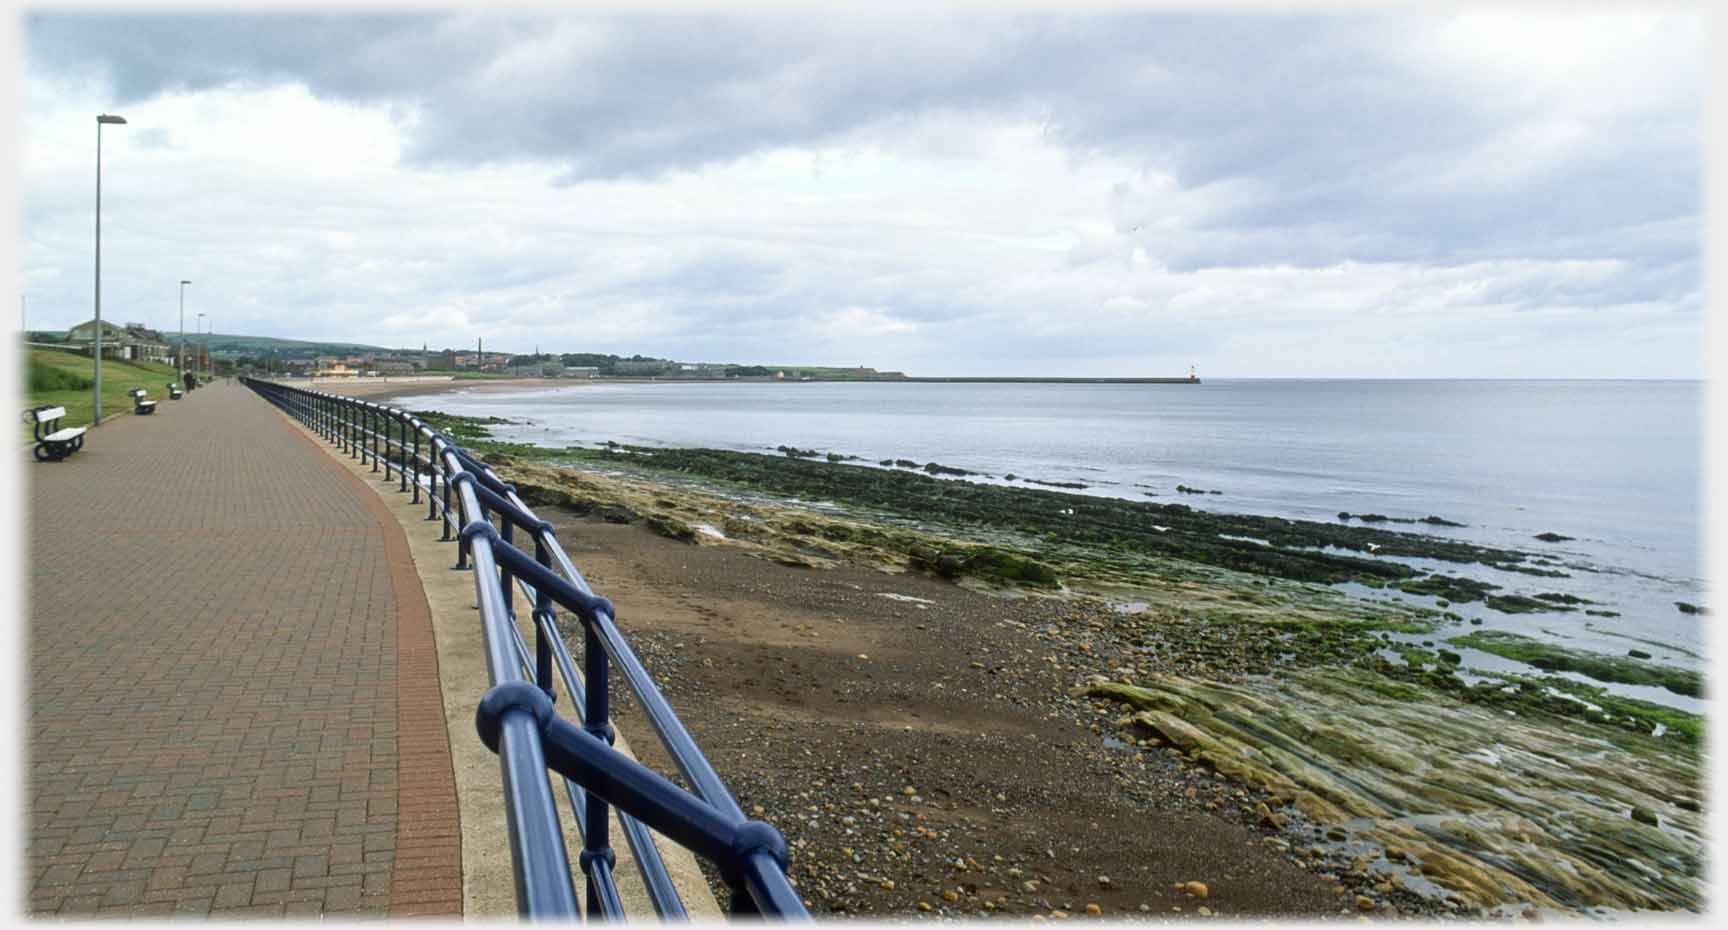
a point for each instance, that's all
(390, 389)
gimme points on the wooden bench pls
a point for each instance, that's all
(52, 442)
(141, 406)
(174, 392)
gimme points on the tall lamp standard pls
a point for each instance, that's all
(96, 419)
(202, 349)
(181, 367)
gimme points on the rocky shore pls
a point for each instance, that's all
(1203, 664)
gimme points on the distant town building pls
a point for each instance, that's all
(579, 371)
(641, 368)
(131, 342)
(337, 370)
(536, 369)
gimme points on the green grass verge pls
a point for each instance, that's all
(64, 379)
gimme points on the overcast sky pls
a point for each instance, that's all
(1114, 192)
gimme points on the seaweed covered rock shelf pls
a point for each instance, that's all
(1379, 760)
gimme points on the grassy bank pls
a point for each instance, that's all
(64, 378)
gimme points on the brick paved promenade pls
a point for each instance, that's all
(234, 703)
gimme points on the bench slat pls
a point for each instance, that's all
(65, 435)
(52, 413)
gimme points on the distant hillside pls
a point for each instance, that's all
(225, 344)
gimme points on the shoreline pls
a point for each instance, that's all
(1596, 587)
(1177, 657)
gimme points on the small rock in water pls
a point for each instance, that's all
(1197, 889)
(1645, 815)
(1363, 902)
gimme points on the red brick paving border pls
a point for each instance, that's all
(426, 880)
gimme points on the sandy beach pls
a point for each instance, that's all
(385, 389)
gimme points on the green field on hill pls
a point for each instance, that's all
(64, 379)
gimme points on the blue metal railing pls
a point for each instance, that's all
(516, 718)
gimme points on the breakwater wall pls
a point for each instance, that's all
(1052, 380)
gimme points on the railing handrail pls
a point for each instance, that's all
(516, 717)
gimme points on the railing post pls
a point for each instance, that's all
(542, 622)
(462, 540)
(505, 578)
(432, 468)
(446, 505)
(372, 434)
(597, 844)
(401, 451)
(446, 520)
(416, 499)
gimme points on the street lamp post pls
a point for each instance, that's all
(201, 350)
(181, 366)
(96, 417)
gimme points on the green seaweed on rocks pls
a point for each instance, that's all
(670, 527)
(986, 563)
(1293, 549)
(1519, 604)
(1451, 587)
(1550, 657)
(1493, 809)
(460, 428)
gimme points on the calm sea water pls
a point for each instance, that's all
(1614, 464)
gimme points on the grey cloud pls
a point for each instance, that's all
(1294, 139)
(1320, 112)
